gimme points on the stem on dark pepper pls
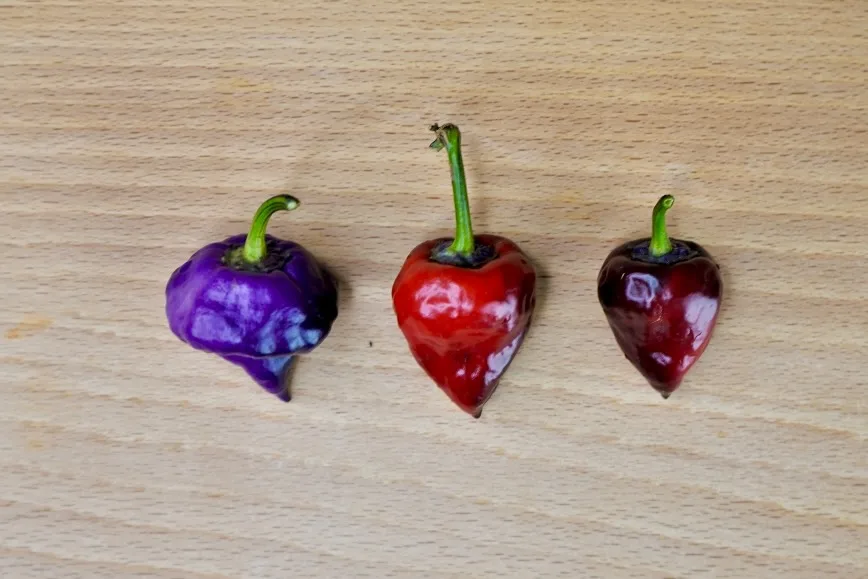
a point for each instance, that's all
(449, 137)
(254, 246)
(660, 243)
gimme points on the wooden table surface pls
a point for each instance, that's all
(133, 133)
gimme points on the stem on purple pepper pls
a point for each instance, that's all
(449, 137)
(660, 243)
(254, 245)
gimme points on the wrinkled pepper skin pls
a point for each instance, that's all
(661, 309)
(464, 304)
(258, 316)
(465, 325)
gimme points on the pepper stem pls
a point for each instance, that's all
(660, 243)
(254, 246)
(449, 137)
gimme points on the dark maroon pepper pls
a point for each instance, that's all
(661, 297)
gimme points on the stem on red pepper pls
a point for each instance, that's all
(254, 246)
(449, 137)
(660, 243)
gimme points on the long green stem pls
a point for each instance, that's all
(660, 243)
(449, 137)
(254, 246)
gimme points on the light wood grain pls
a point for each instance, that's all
(133, 133)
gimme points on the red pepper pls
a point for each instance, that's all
(464, 304)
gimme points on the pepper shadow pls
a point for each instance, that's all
(475, 167)
(343, 285)
(543, 287)
(481, 160)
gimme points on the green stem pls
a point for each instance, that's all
(254, 246)
(449, 137)
(660, 243)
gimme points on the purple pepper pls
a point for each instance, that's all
(255, 300)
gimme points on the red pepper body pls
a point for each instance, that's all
(662, 311)
(464, 325)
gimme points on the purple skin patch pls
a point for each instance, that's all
(258, 317)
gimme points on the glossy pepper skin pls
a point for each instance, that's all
(464, 304)
(661, 298)
(256, 303)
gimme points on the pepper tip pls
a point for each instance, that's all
(285, 395)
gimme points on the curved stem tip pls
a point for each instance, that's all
(660, 243)
(254, 246)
